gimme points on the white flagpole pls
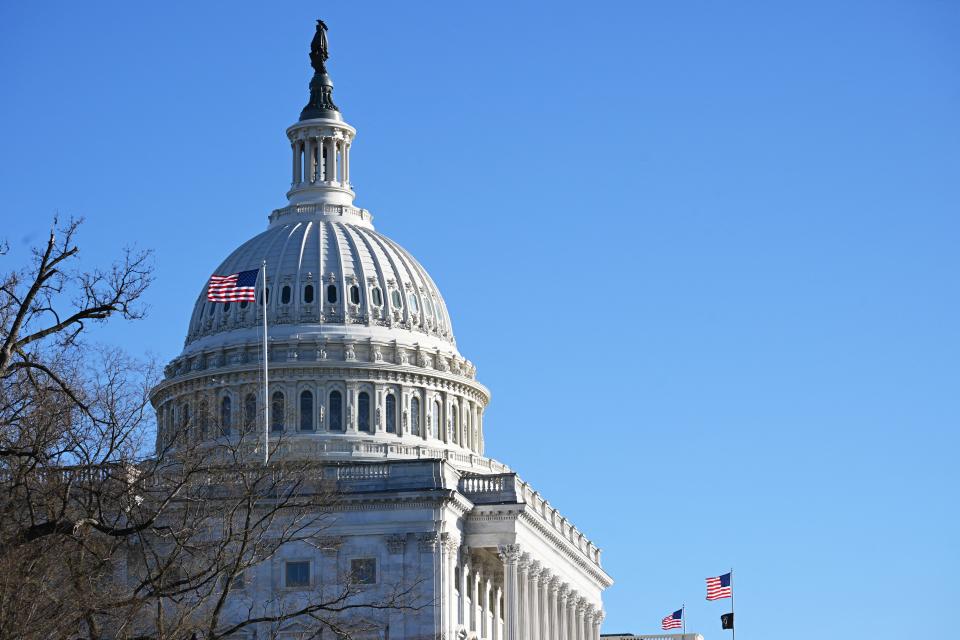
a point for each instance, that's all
(733, 627)
(266, 374)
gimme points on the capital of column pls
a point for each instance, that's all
(509, 553)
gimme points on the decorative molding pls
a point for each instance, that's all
(396, 542)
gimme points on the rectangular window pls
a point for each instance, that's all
(364, 570)
(298, 574)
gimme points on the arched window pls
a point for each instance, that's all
(249, 412)
(260, 297)
(185, 420)
(308, 294)
(226, 414)
(332, 294)
(306, 411)
(354, 294)
(363, 412)
(203, 417)
(376, 296)
(335, 407)
(226, 307)
(414, 306)
(397, 299)
(454, 427)
(428, 307)
(438, 420)
(415, 416)
(391, 413)
(243, 304)
(277, 409)
(285, 294)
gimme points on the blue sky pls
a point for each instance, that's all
(704, 254)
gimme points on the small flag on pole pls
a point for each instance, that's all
(237, 287)
(719, 587)
(726, 621)
(673, 621)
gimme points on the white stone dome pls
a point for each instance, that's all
(328, 274)
(360, 350)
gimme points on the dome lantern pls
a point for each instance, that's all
(320, 141)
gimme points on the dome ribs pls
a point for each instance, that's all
(377, 257)
(366, 309)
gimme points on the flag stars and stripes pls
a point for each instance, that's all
(719, 587)
(672, 621)
(236, 287)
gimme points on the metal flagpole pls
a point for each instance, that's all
(266, 375)
(683, 616)
(733, 621)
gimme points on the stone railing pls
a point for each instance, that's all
(508, 487)
(321, 208)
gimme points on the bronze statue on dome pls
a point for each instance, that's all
(318, 48)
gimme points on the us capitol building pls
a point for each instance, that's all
(366, 377)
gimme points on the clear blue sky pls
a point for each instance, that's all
(705, 254)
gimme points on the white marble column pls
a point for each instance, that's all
(311, 151)
(545, 579)
(510, 555)
(524, 573)
(346, 163)
(329, 160)
(295, 147)
(562, 617)
(462, 586)
(597, 623)
(495, 626)
(450, 551)
(572, 617)
(534, 596)
(487, 586)
(476, 601)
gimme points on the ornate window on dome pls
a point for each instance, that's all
(249, 412)
(428, 307)
(226, 414)
(376, 296)
(226, 307)
(243, 304)
(277, 409)
(363, 412)
(414, 306)
(415, 416)
(308, 294)
(391, 413)
(454, 427)
(335, 406)
(184, 418)
(306, 411)
(285, 294)
(260, 297)
(397, 299)
(354, 294)
(332, 294)
(438, 420)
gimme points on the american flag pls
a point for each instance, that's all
(236, 287)
(672, 621)
(719, 587)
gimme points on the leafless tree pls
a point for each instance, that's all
(102, 537)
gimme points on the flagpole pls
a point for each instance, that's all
(733, 627)
(683, 616)
(266, 374)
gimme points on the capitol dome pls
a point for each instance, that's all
(362, 359)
